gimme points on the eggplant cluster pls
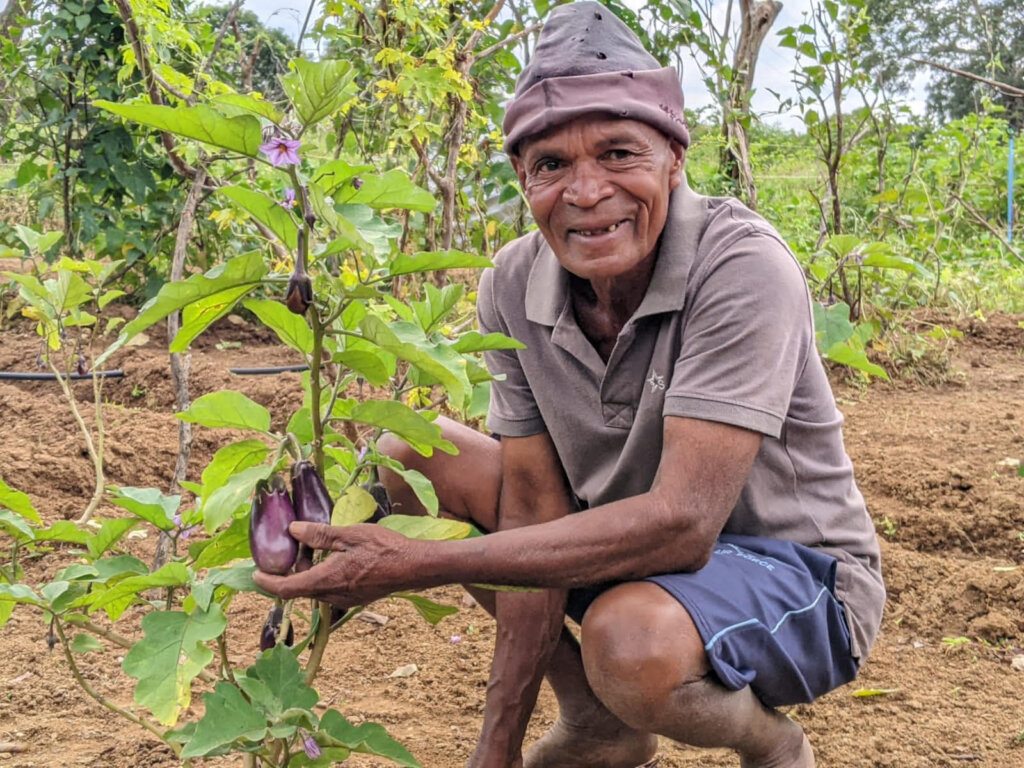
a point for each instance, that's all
(273, 509)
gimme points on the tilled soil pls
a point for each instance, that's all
(932, 462)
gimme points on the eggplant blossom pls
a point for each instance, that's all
(289, 198)
(311, 748)
(281, 151)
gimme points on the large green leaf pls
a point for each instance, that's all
(473, 341)
(292, 329)
(333, 175)
(200, 315)
(392, 189)
(366, 364)
(246, 270)
(354, 506)
(226, 500)
(109, 534)
(115, 599)
(230, 544)
(170, 656)
(237, 104)
(396, 417)
(230, 459)
(420, 484)
(15, 526)
(275, 683)
(845, 354)
(368, 738)
(228, 717)
(18, 502)
(268, 211)
(317, 89)
(240, 133)
(427, 261)
(227, 408)
(831, 324)
(149, 504)
(450, 372)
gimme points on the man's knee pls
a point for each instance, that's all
(641, 652)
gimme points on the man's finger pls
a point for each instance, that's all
(316, 535)
(288, 587)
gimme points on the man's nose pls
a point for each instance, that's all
(587, 186)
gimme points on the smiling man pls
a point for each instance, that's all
(671, 472)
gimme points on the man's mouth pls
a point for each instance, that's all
(603, 231)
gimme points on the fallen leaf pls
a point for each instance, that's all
(407, 671)
(373, 618)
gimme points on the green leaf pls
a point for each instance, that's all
(354, 506)
(238, 578)
(275, 683)
(427, 261)
(226, 500)
(36, 242)
(428, 609)
(200, 315)
(421, 486)
(268, 211)
(844, 354)
(228, 718)
(366, 364)
(292, 329)
(83, 643)
(18, 502)
(246, 270)
(15, 526)
(832, 324)
(396, 417)
(109, 534)
(392, 189)
(241, 133)
(170, 655)
(232, 543)
(149, 504)
(333, 175)
(842, 245)
(236, 103)
(63, 530)
(230, 459)
(451, 372)
(473, 341)
(317, 89)
(368, 738)
(227, 408)
(431, 528)
(890, 261)
(119, 596)
(861, 693)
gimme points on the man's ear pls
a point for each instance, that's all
(675, 177)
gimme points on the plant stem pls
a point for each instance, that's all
(225, 665)
(315, 389)
(102, 700)
(323, 632)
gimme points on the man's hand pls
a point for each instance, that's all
(369, 562)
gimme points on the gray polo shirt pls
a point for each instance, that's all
(724, 333)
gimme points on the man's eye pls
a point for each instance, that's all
(548, 166)
(619, 154)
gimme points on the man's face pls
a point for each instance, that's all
(599, 188)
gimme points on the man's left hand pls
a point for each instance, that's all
(368, 562)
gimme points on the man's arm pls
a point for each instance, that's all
(528, 624)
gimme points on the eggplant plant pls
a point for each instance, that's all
(330, 280)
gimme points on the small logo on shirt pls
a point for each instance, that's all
(657, 381)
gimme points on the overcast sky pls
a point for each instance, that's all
(774, 67)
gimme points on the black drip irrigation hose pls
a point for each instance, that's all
(267, 371)
(32, 376)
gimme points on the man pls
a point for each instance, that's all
(671, 469)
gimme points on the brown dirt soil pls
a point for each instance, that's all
(930, 460)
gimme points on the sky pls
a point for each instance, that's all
(774, 66)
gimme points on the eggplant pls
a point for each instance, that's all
(380, 495)
(299, 294)
(272, 629)
(312, 504)
(273, 548)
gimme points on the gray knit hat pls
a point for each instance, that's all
(588, 60)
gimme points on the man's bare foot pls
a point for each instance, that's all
(793, 754)
(594, 745)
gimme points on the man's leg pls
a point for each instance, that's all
(468, 485)
(645, 660)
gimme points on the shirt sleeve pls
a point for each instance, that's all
(513, 411)
(747, 337)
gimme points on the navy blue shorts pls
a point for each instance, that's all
(767, 613)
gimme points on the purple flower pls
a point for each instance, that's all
(281, 151)
(289, 198)
(456, 639)
(184, 533)
(313, 750)
(362, 454)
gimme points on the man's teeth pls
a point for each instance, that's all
(589, 232)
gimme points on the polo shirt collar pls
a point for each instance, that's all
(547, 289)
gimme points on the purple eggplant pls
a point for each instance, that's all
(299, 294)
(312, 504)
(380, 495)
(273, 548)
(272, 629)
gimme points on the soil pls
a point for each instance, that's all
(931, 460)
